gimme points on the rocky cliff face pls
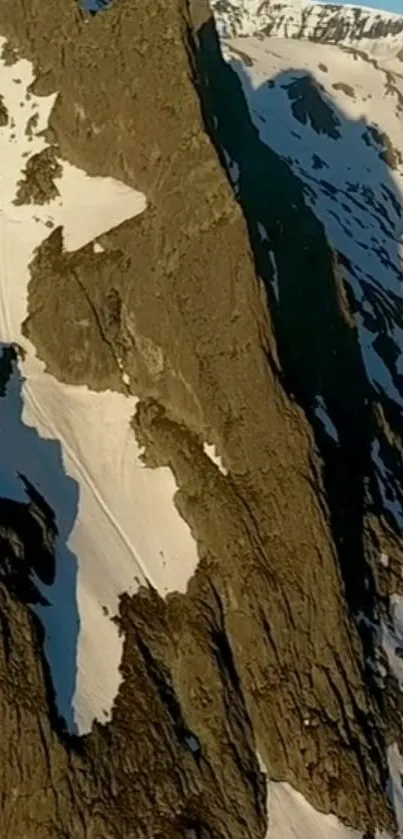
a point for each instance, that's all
(262, 655)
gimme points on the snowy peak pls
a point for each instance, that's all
(376, 31)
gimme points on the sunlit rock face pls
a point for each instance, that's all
(380, 32)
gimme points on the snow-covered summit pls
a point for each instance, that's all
(375, 31)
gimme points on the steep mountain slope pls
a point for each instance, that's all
(336, 118)
(260, 664)
(376, 31)
(96, 462)
(334, 114)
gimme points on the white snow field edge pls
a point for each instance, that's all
(118, 525)
(290, 816)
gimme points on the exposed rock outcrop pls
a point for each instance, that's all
(261, 654)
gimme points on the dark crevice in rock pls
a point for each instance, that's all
(163, 685)
(9, 357)
(317, 342)
(318, 348)
(287, 681)
(27, 544)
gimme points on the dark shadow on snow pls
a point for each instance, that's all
(95, 6)
(38, 508)
(313, 313)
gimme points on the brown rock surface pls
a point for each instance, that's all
(263, 640)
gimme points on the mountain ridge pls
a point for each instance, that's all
(381, 33)
(261, 662)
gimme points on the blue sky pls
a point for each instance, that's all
(388, 5)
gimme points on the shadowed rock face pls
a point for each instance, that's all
(307, 104)
(27, 531)
(264, 637)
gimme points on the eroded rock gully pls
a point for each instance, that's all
(262, 654)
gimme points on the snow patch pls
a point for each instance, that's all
(395, 790)
(384, 560)
(392, 638)
(262, 232)
(383, 477)
(290, 816)
(374, 30)
(118, 524)
(322, 414)
(274, 279)
(233, 169)
(211, 452)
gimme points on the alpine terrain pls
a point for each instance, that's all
(201, 436)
